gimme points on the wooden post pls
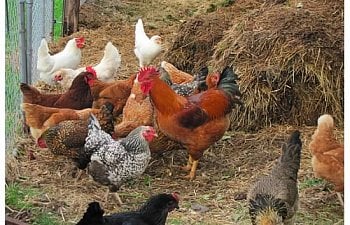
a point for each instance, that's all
(71, 16)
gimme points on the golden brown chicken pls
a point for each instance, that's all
(39, 118)
(137, 111)
(116, 93)
(328, 154)
(177, 76)
(68, 137)
(273, 199)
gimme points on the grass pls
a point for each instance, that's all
(58, 15)
(20, 198)
(311, 182)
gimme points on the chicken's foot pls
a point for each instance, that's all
(116, 196)
(79, 173)
(189, 164)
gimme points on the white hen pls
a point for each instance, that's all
(146, 49)
(69, 57)
(105, 70)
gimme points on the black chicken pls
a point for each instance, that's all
(153, 212)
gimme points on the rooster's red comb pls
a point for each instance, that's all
(80, 39)
(145, 71)
(90, 69)
(176, 195)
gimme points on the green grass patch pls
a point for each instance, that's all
(46, 219)
(20, 198)
(58, 15)
(312, 182)
(17, 197)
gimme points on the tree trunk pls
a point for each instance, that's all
(71, 17)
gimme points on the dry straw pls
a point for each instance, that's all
(290, 61)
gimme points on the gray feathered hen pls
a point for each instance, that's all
(185, 89)
(273, 199)
(115, 162)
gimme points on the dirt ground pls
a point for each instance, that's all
(225, 171)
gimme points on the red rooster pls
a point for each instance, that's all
(197, 121)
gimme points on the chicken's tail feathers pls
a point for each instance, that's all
(111, 52)
(28, 90)
(201, 78)
(43, 49)
(93, 123)
(140, 35)
(164, 75)
(294, 138)
(93, 215)
(228, 83)
(267, 208)
(325, 121)
(291, 150)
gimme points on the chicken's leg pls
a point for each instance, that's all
(106, 196)
(192, 173)
(116, 196)
(340, 199)
(189, 164)
(79, 174)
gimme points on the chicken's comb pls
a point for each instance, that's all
(90, 69)
(176, 195)
(80, 39)
(145, 71)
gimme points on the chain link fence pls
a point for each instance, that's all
(27, 22)
(12, 74)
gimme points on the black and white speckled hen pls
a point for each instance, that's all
(68, 137)
(153, 212)
(273, 199)
(115, 162)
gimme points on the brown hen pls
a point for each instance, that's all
(328, 154)
(68, 137)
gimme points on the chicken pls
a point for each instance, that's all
(78, 96)
(146, 49)
(177, 76)
(153, 212)
(105, 70)
(69, 57)
(197, 121)
(185, 89)
(116, 93)
(273, 199)
(68, 137)
(40, 118)
(328, 154)
(137, 111)
(115, 162)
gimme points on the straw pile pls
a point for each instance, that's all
(290, 61)
(193, 45)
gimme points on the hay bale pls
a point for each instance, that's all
(290, 61)
(195, 41)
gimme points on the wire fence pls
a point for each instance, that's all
(12, 74)
(27, 22)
